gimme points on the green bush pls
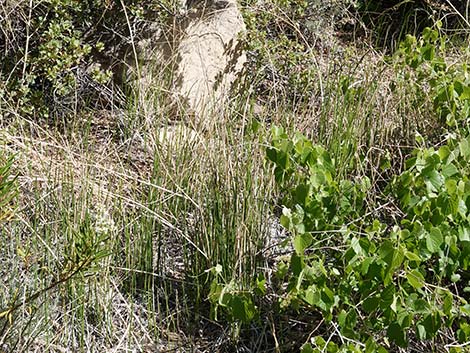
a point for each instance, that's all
(282, 39)
(422, 63)
(383, 280)
(53, 49)
(381, 284)
(390, 21)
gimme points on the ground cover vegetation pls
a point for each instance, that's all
(327, 210)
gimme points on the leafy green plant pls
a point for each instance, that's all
(237, 304)
(391, 21)
(56, 51)
(421, 63)
(280, 39)
(328, 202)
(434, 192)
(362, 275)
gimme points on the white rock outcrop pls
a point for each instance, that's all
(209, 56)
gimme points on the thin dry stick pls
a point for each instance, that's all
(458, 13)
(28, 36)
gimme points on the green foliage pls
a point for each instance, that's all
(390, 21)
(48, 52)
(320, 202)
(237, 304)
(378, 280)
(281, 37)
(54, 49)
(362, 275)
(421, 63)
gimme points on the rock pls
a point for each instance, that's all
(204, 53)
(209, 57)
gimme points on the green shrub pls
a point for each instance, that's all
(384, 280)
(53, 49)
(282, 39)
(378, 284)
(390, 21)
(421, 62)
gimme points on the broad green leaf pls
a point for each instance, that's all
(412, 256)
(464, 234)
(300, 229)
(448, 303)
(464, 332)
(314, 271)
(464, 147)
(311, 296)
(397, 335)
(465, 309)
(327, 299)
(465, 95)
(279, 174)
(393, 258)
(307, 348)
(356, 246)
(297, 264)
(319, 341)
(282, 269)
(421, 332)
(226, 296)
(301, 194)
(286, 147)
(278, 132)
(432, 323)
(387, 295)
(286, 218)
(285, 222)
(404, 318)
(462, 208)
(302, 242)
(371, 346)
(282, 160)
(444, 152)
(451, 186)
(398, 257)
(332, 347)
(365, 264)
(434, 180)
(342, 318)
(434, 240)
(386, 252)
(415, 278)
(243, 308)
(215, 292)
(370, 304)
(427, 52)
(271, 153)
(351, 319)
(449, 170)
